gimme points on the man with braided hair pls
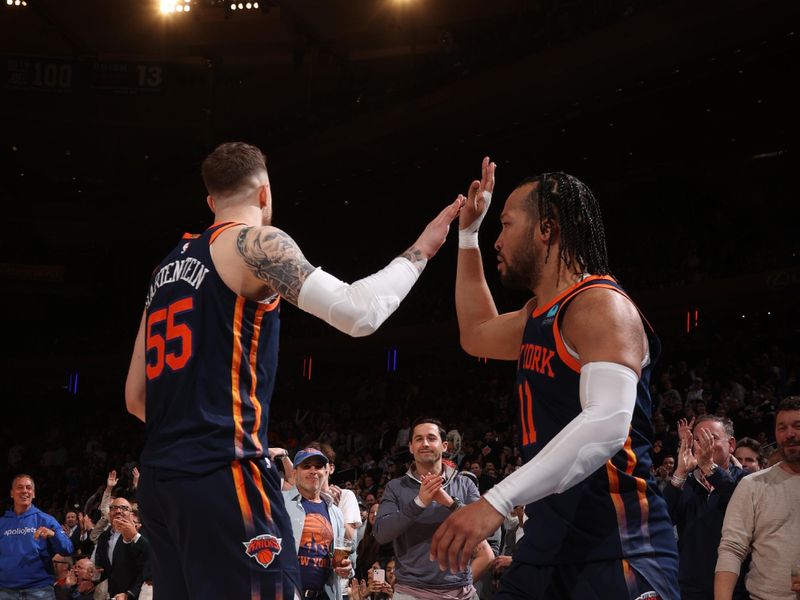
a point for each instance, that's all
(597, 526)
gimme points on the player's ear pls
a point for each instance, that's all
(211, 204)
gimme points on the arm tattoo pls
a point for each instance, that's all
(415, 257)
(274, 258)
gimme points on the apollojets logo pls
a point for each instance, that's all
(264, 548)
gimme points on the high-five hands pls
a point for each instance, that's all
(479, 197)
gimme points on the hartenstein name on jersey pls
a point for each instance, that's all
(533, 357)
(190, 270)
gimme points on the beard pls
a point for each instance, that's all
(522, 274)
(790, 453)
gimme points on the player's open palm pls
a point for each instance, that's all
(687, 462)
(435, 232)
(479, 197)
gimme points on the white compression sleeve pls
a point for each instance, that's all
(358, 309)
(608, 396)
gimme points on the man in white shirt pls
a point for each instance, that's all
(762, 520)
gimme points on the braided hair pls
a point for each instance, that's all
(567, 200)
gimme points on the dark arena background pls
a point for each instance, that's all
(681, 116)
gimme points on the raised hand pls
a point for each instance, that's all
(479, 197)
(336, 493)
(686, 458)
(112, 480)
(435, 233)
(704, 449)
(684, 428)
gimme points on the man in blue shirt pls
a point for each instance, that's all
(317, 525)
(29, 539)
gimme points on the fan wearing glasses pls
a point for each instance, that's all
(122, 552)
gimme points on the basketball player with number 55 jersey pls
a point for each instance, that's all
(203, 371)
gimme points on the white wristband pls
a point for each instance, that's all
(467, 239)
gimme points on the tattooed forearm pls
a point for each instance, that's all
(275, 258)
(415, 256)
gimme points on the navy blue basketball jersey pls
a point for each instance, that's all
(211, 358)
(616, 513)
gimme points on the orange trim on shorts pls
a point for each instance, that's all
(260, 486)
(630, 576)
(236, 363)
(641, 485)
(644, 504)
(222, 228)
(241, 496)
(260, 310)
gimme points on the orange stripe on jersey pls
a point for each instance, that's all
(529, 398)
(260, 486)
(241, 496)
(540, 310)
(525, 439)
(631, 463)
(190, 236)
(616, 499)
(561, 347)
(260, 310)
(236, 363)
(222, 228)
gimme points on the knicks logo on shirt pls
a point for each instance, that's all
(264, 548)
(533, 357)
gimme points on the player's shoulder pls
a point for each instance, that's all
(603, 302)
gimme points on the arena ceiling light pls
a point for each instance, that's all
(20, 3)
(175, 6)
(243, 6)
